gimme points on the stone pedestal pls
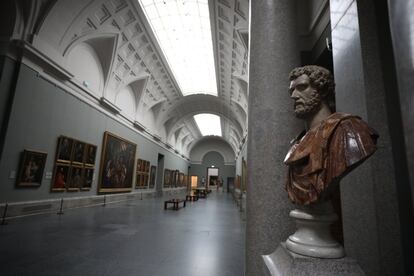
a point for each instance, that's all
(282, 262)
(313, 235)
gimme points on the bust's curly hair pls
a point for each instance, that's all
(321, 78)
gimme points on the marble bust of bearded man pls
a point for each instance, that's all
(332, 145)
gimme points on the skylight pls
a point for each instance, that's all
(183, 31)
(208, 124)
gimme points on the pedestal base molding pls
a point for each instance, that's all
(282, 262)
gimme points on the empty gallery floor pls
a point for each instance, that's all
(134, 237)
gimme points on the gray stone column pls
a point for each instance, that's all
(273, 54)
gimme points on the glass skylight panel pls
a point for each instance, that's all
(209, 124)
(183, 31)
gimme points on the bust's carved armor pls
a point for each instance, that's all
(325, 154)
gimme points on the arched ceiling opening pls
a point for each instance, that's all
(187, 107)
(204, 145)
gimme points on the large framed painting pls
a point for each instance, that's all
(117, 164)
(153, 172)
(64, 150)
(31, 169)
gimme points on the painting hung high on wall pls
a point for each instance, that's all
(117, 164)
(64, 150)
(31, 169)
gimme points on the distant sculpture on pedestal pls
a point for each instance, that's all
(332, 145)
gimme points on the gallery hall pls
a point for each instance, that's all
(207, 137)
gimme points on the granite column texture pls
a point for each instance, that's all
(272, 124)
(371, 223)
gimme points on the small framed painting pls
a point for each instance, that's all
(87, 179)
(75, 180)
(31, 169)
(60, 177)
(90, 154)
(78, 152)
(64, 150)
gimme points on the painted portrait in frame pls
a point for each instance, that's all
(75, 179)
(90, 154)
(87, 179)
(78, 152)
(31, 169)
(64, 149)
(60, 177)
(167, 178)
(117, 164)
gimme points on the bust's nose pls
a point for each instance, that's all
(294, 95)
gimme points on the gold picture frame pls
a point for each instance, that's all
(32, 166)
(117, 164)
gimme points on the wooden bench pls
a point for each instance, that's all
(201, 192)
(175, 202)
(191, 197)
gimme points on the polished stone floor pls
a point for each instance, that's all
(132, 238)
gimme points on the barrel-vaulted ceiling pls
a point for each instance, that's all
(111, 53)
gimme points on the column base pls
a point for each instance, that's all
(282, 262)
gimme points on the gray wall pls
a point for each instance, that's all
(41, 112)
(212, 158)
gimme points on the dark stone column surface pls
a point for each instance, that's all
(273, 54)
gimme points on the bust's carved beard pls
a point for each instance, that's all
(309, 108)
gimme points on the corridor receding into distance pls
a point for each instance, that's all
(136, 237)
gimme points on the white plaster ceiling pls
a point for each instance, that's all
(129, 55)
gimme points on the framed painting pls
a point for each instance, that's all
(87, 179)
(139, 164)
(64, 149)
(117, 164)
(174, 178)
(32, 165)
(60, 177)
(75, 179)
(167, 178)
(78, 152)
(139, 181)
(181, 179)
(90, 155)
(152, 177)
